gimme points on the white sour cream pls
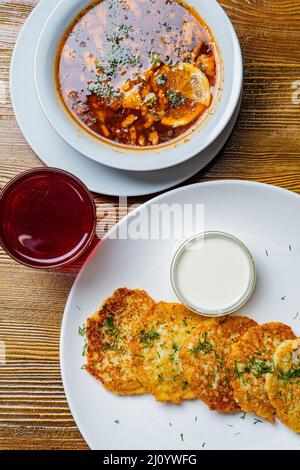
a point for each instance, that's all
(213, 273)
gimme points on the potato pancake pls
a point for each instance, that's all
(158, 339)
(283, 386)
(109, 334)
(250, 359)
(204, 358)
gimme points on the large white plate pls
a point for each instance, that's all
(54, 151)
(267, 220)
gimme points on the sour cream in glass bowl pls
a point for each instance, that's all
(213, 273)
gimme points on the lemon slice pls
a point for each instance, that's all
(175, 117)
(192, 84)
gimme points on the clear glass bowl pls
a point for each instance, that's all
(220, 312)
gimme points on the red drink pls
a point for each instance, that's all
(47, 218)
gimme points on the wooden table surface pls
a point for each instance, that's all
(264, 146)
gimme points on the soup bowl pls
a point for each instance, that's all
(196, 139)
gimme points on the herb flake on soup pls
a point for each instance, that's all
(138, 72)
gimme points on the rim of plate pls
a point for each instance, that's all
(122, 158)
(78, 278)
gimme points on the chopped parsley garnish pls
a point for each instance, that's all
(256, 420)
(203, 345)
(254, 365)
(221, 364)
(261, 368)
(110, 325)
(184, 384)
(226, 378)
(161, 79)
(103, 89)
(175, 98)
(84, 348)
(81, 330)
(131, 60)
(287, 376)
(155, 58)
(168, 60)
(112, 65)
(236, 373)
(148, 338)
(118, 36)
(173, 352)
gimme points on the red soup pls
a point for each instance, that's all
(47, 218)
(138, 72)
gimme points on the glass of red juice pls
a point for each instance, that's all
(47, 218)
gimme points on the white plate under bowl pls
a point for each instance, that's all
(267, 220)
(152, 158)
(54, 151)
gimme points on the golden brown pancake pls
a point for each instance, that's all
(283, 386)
(250, 360)
(204, 358)
(158, 339)
(109, 334)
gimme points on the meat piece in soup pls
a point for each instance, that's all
(138, 72)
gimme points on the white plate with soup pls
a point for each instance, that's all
(54, 151)
(137, 87)
(266, 220)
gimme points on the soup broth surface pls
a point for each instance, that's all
(138, 72)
